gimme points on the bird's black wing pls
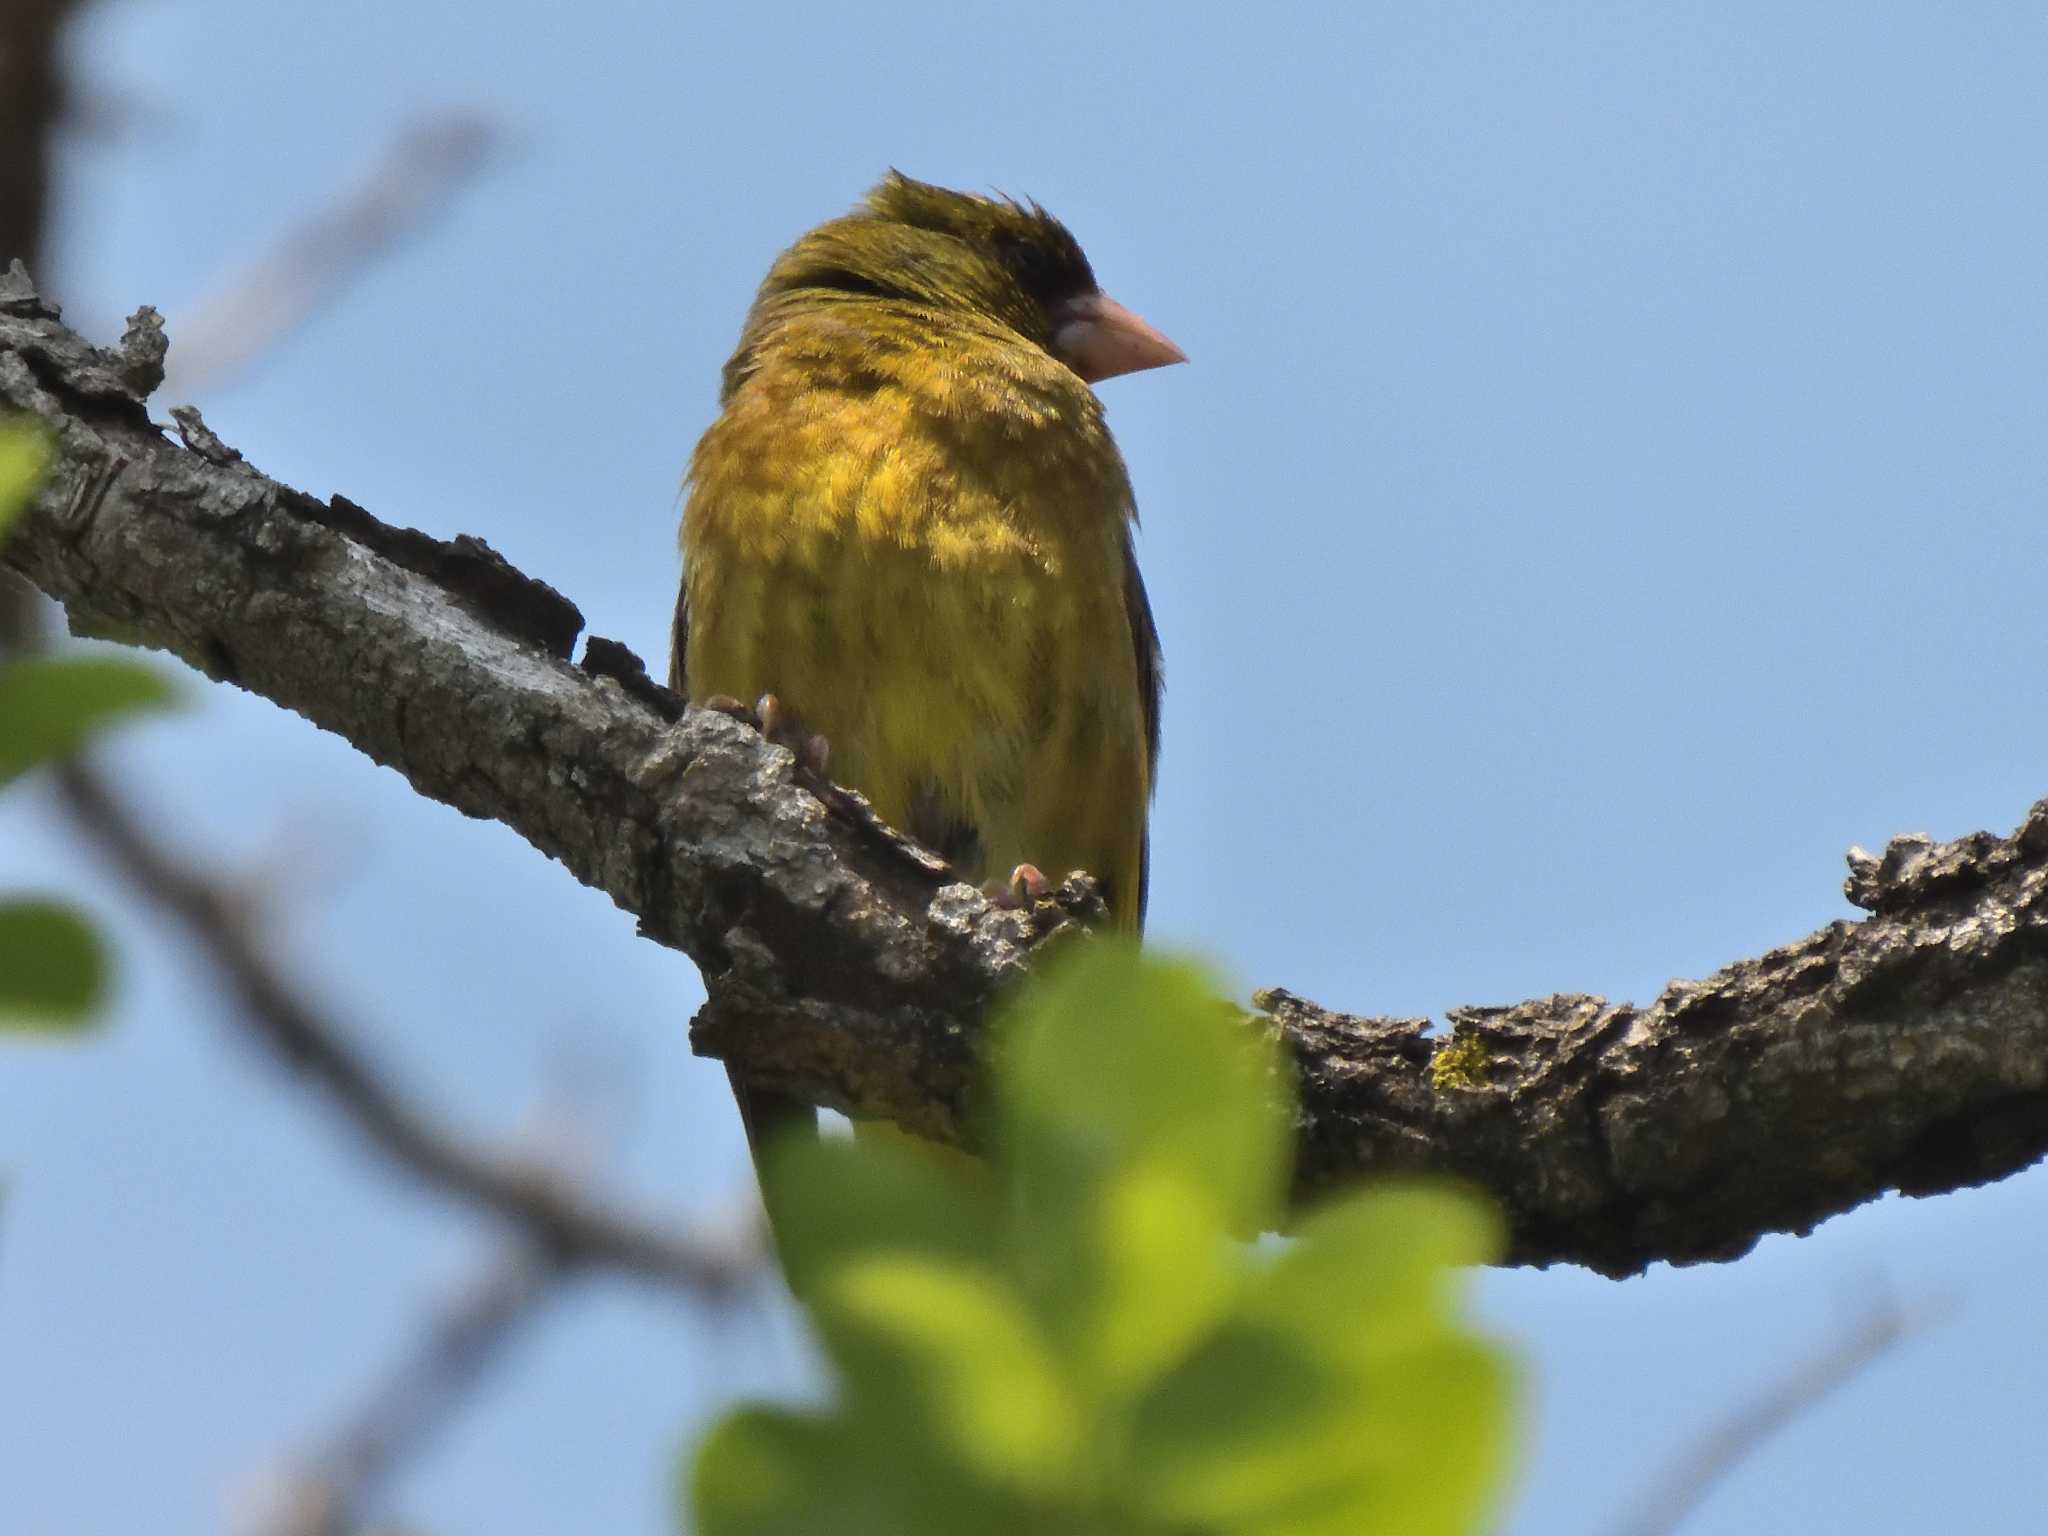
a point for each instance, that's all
(1151, 688)
(679, 640)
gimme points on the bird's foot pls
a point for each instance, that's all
(779, 724)
(1025, 889)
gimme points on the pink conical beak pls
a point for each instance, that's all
(1098, 338)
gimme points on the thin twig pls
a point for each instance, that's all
(337, 1486)
(427, 164)
(1706, 1464)
(453, 1352)
(570, 1226)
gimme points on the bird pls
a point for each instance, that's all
(908, 536)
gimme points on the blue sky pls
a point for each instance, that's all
(1607, 485)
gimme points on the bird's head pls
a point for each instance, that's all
(1007, 262)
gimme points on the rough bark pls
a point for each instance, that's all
(1906, 1051)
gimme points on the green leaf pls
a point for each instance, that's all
(1127, 1089)
(50, 705)
(1428, 1459)
(1383, 1261)
(1261, 1433)
(1373, 1282)
(1243, 1422)
(1442, 1424)
(1113, 1061)
(837, 1201)
(766, 1472)
(1073, 1339)
(1159, 1273)
(52, 967)
(1344, 1394)
(949, 1354)
(24, 453)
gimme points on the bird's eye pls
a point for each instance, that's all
(1047, 273)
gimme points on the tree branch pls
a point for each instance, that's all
(1907, 1051)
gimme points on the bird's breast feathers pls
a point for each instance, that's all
(921, 550)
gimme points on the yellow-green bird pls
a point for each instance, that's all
(910, 525)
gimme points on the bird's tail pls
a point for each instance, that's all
(770, 1117)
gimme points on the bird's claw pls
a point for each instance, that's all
(1025, 888)
(777, 723)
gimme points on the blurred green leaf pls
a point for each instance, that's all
(948, 1353)
(1343, 1395)
(24, 454)
(1127, 1179)
(1253, 1416)
(50, 705)
(839, 1200)
(767, 1472)
(1158, 1274)
(52, 967)
(1073, 1338)
(762, 1472)
(1116, 1062)
(1383, 1259)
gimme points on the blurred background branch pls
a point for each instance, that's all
(331, 1490)
(557, 1227)
(1667, 1505)
(34, 98)
(416, 179)
(569, 1226)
